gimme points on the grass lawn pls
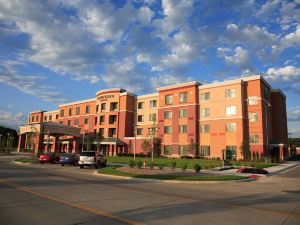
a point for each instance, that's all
(205, 163)
(27, 160)
(113, 171)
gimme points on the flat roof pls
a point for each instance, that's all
(178, 85)
(147, 96)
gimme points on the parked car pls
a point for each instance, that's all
(91, 158)
(49, 157)
(69, 159)
(252, 170)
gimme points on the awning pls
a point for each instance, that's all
(111, 140)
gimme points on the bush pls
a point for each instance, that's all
(173, 165)
(131, 163)
(139, 164)
(161, 166)
(184, 167)
(151, 165)
(197, 168)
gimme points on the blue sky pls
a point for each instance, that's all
(52, 52)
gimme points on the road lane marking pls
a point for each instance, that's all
(71, 204)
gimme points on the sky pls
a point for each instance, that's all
(53, 52)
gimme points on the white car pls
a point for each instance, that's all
(91, 158)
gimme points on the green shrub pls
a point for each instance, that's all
(173, 165)
(131, 163)
(161, 166)
(197, 168)
(184, 167)
(139, 164)
(151, 165)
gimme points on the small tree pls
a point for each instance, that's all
(192, 147)
(89, 141)
(245, 149)
(147, 147)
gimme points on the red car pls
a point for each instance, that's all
(49, 157)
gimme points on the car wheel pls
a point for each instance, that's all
(81, 166)
(104, 164)
(98, 165)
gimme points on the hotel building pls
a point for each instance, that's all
(207, 120)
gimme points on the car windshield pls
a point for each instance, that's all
(87, 154)
(66, 155)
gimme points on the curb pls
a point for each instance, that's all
(284, 169)
(95, 173)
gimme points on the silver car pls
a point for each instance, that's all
(91, 158)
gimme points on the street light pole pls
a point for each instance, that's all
(82, 142)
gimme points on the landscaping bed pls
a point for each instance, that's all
(27, 160)
(166, 174)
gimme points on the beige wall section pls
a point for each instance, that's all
(50, 116)
(146, 111)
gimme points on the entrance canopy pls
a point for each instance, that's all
(51, 128)
(111, 140)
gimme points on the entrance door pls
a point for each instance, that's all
(228, 154)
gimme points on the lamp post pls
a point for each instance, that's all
(82, 142)
(48, 141)
(134, 149)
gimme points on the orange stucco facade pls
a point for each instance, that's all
(207, 120)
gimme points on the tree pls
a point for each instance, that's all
(147, 146)
(89, 141)
(245, 149)
(98, 139)
(192, 147)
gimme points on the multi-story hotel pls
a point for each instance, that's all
(208, 120)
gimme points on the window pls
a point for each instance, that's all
(254, 139)
(112, 132)
(205, 112)
(152, 117)
(230, 110)
(86, 121)
(62, 112)
(232, 149)
(139, 131)
(253, 100)
(50, 117)
(140, 118)
(45, 118)
(87, 109)
(182, 129)
(113, 106)
(77, 110)
(96, 118)
(230, 93)
(140, 105)
(183, 97)
(182, 149)
(151, 130)
(103, 107)
(168, 99)
(230, 127)
(32, 119)
(205, 150)
(205, 96)
(152, 103)
(56, 116)
(69, 122)
(37, 118)
(253, 116)
(101, 120)
(76, 122)
(168, 129)
(168, 115)
(205, 128)
(112, 119)
(168, 150)
(70, 112)
(182, 113)
(97, 108)
(101, 132)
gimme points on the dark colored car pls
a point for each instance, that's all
(252, 170)
(49, 157)
(91, 158)
(69, 159)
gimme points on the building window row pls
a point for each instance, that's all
(113, 107)
(152, 104)
(229, 127)
(183, 98)
(182, 114)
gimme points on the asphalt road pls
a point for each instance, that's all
(51, 194)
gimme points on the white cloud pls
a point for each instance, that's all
(240, 58)
(293, 115)
(12, 120)
(165, 80)
(287, 73)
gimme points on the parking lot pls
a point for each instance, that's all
(52, 194)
